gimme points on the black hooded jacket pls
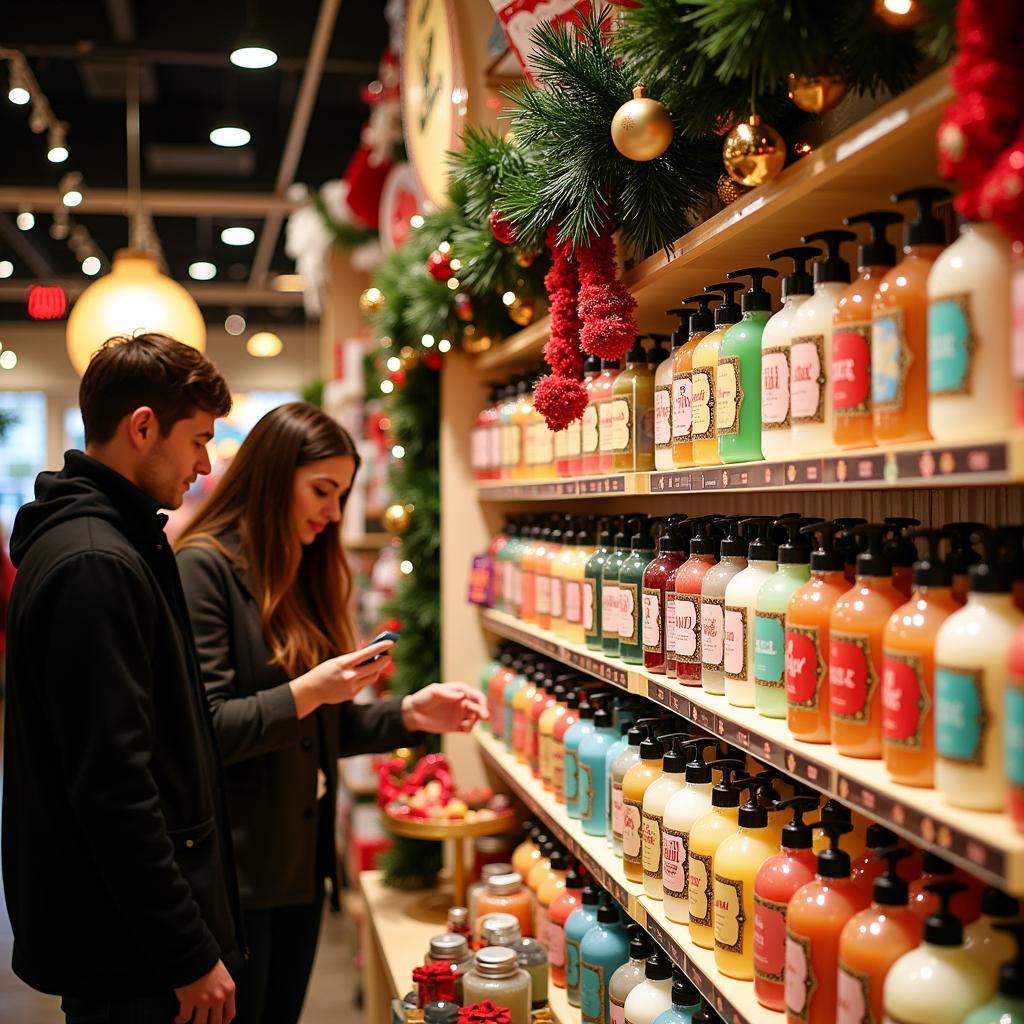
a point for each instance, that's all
(117, 863)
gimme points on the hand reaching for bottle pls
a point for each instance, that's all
(444, 707)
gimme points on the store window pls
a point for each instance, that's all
(22, 450)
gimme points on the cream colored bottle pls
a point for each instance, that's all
(653, 996)
(671, 781)
(630, 974)
(704, 378)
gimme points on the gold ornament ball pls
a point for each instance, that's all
(371, 301)
(474, 342)
(728, 190)
(754, 152)
(409, 357)
(398, 517)
(522, 310)
(816, 93)
(642, 128)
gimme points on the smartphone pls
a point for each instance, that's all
(386, 635)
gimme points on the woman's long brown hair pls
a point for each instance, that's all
(302, 592)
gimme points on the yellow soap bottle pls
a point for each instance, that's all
(635, 784)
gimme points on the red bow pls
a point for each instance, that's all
(485, 1013)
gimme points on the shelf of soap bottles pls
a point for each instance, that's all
(986, 844)
(920, 465)
(733, 1000)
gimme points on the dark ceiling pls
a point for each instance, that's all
(79, 52)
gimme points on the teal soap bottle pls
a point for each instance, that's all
(521, 667)
(1007, 1005)
(738, 387)
(631, 589)
(610, 600)
(593, 574)
(593, 775)
(577, 924)
(794, 570)
(603, 950)
(685, 1001)
(583, 726)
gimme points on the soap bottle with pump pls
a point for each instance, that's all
(970, 391)
(670, 782)
(681, 811)
(663, 377)
(593, 780)
(685, 1001)
(938, 982)
(653, 996)
(1007, 1005)
(701, 324)
(617, 770)
(987, 939)
(817, 914)
(971, 653)
(659, 575)
(1013, 718)
(776, 881)
(583, 439)
(856, 626)
(962, 556)
(576, 575)
(603, 950)
(631, 411)
(593, 582)
(901, 552)
(596, 385)
(561, 727)
(635, 784)
(738, 860)
(908, 668)
(571, 741)
(899, 327)
(686, 653)
(630, 974)
(562, 907)
(851, 334)
(966, 903)
(704, 390)
(631, 587)
(577, 925)
(776, 418)
(810, 351)
(706, 835)
(870, 865)
(602, 395)
(732, 559)
(773, 599)
(738, 398)
(610, 599)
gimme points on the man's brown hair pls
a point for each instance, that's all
(173, 379)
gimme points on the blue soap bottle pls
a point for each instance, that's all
(577, 924)
(593, 776)
(685, 1001)
(583, 726)
(604, 949)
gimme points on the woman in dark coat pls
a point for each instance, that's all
(268, 591)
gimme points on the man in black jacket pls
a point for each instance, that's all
(117, 855)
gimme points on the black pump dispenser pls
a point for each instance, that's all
(799, 281)
(873, 561)
(925, 228)
(658, 353)
(636, 353)
(703, 540)
(659, 967)
(728, 312)
(684, 992)
(651, 748)
(931, 570)
(826, 557)
(888, 889)
(640, 945)
(795, 550)
(796, 834)
(992, 574)
(682, 332)
(591, 895)
(755, 297)
(1011, 974)
(900, 549)
(996, 903)
(763, 547)
(672, 538)
(962, 554)
(834, 862)
(752, 814)
(674, 762)
(944, 928)
(735, 542)
(703, 319)
(879, 251)
(725, 794)
(833, 267)
(698, 772)
(607, 912)
(643, 537)
(592, 364)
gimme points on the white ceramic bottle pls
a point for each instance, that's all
(652, 997)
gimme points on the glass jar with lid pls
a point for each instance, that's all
(497, 976)
(453, 949)
(488, 872)
(503, 930)
(506, 894)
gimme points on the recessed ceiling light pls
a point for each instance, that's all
(253, 57)
(19, 96)
(57, 154)
(91, 266)
(264, 345)
(6, 268)
(202, 270)
(236, 236)
(234, 324)
(8, 359)
(26, 220)
(72, 197)
(230, 136)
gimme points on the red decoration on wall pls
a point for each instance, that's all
(501, 228)
(47, 302)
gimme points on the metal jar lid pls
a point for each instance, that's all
(500, 929)
(450, 947)
(496, 962)
(503, 885)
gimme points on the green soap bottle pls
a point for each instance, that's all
(631, 588)
(592, 580)
(610, 601)
(1007, 1005)
(738, 384)
(770, 617)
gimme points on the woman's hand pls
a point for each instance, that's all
(444, 707)
(339, 679)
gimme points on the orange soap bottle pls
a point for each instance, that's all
(908, 668)
(522, 702)
(701, 324)
(545, 562)
(808, 614)
(899, 328)
(872, 941)
(856, 626)
(965, 904)
(815, 919)
(567, 900)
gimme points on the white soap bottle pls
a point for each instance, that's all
(653, 996)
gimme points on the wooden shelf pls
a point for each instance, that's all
(985, 844)
(734, 1000)
(986, 462)
(519, 351)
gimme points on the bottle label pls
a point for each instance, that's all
(890, 361)
(906, 704)
(557, 603)
(632, 822)
(589, 433)
(618, 809)
(853, 997)
(770, 649)
(530, 444)
(652, 621)
(675, 852)
(542, 594)
(517, 586)
(572, 965)
(682, 413)
(701, 908)
(805, 667)
(1013, 730)
(494, 448)
(617, 1011)
(629, 613)
(702, 406)
(545, 445)
(620, 426)
(604, 426)
(610, 610)
(962, 719)
(800, 980)
(519, 730)
(573, 439)
(808, 378)
(586, 788)
(556, 945)
(558, 772)
(588, 599)
(769, 939)
(734, 661)
(650, 841)
(513, 445)
(712, 631)
(562, 444)
(730, 919)
(571, 787)
(671, 640)
(951, 346)
(478, 449)
(593, 993)
(775, 389)
(573, 602)
(730, 395)
(851, 369)
(663, 416)
(687, 648)
(851, 676)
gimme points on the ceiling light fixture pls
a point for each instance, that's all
(8, 359)
(202, 270)
(237, 236)
(230, 136)
(19, 95)
(264, 345)
(253, 57)
(57, 143)
(6, 268)
(234, 324)
(70, 188)
(26, 220)
(91, 266)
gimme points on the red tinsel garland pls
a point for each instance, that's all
(981, 139)
(606, 307)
